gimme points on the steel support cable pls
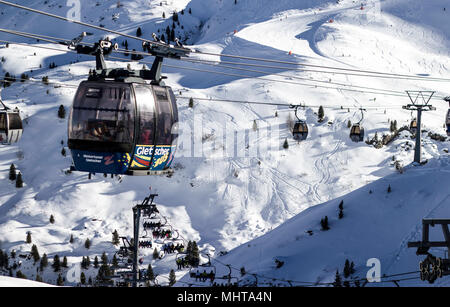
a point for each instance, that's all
(210, 53)
(381, 91)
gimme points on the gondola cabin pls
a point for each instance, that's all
(10, 126)
(357, 133)
(413, 126)
(447, 123)
(123, 128)
(300, 131)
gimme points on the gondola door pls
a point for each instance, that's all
(146, 129)
(163, 154)
(14, 127)
(3, 128)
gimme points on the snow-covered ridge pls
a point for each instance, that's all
(205, 199)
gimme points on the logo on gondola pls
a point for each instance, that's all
(161, 160)
(144, 150)
(109, 160)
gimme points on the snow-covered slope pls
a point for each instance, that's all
(17, 282)
(224, 202)
(376, 224)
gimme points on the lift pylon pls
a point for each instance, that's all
(419, 102)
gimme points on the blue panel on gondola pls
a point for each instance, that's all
(161, 157)
(100, 162)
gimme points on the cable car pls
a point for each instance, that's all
(300, 129)
(357, 130)
(447, 122)
(11, 127)
(413, 126)
(123, 121)
(357, 133)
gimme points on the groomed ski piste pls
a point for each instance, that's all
(253, 210)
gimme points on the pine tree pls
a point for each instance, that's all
(87, 244)
(52, 219)
(115, 262)
(12, 172)
(155, 253)
(39, 278)
(60, 281)
(347, 268)
(172, 278)
(191, 102)
(35, 253)
(56, 263)
(150, 273)
(62, 112)
(19, 181)
(88, 262)
(44, 262)
(13, 254)
(349, 124)
(19, 274)
(83, 263)
(286, 144)
(321, 114)
(175, 17)
(255, 125)
(341, 209)
(63, 152)
(324, 223)
(103, 272)
(164, 15)
(45, 80)
(189, 252)
(352, 268)
(82, 278)
(337, 280)
(139, 32)
(243, 272)
(190, 11)
(96, 262)
(104, 259)
(195, 255)
(389, 190)
(71, 239)
(28, 240)
(115, 238)
(64, 262)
